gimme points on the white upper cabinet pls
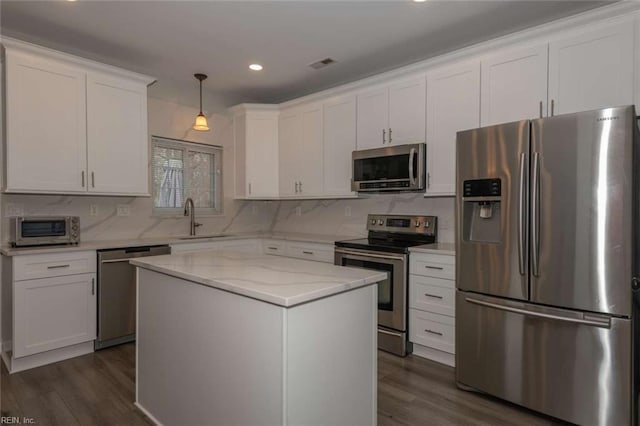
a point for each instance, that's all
(373, 118)
(339, 143)
(301, 151)
(407, 111)
(453, 104)
(73, 126)
(289, 143)
(514, 85)
(117, 135)
(392, 114)
(311, 160)
(593, 69)
(256, 150)
(46, 139)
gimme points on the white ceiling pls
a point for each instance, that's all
(172, 40)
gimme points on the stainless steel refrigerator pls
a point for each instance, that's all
(547, 264)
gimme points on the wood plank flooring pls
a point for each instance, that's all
(99, 389)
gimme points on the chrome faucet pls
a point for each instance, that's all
(190, 210)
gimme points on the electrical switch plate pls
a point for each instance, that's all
(298, 211)
(123, 210)
(93, 210)
(347, 211)
(254, 209)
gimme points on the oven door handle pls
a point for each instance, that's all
(412, 176)
(367, 254)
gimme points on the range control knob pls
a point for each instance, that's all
(373, 221)
(417, 224)
(380, 222)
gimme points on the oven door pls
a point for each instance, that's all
(392, 292)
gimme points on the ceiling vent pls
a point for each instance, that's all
(322, 63)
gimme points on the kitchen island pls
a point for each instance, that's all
(236, 338)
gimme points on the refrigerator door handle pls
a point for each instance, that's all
(593, 321)
(535, 216)
(522, 219)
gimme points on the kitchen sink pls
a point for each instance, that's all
(204, 237)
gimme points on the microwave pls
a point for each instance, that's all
(393, 168)
(44, 230)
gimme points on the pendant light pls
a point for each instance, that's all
(201, 120)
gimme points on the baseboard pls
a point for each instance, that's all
(434, 355)
(6, 358)
(146, 413)
(48, 357)
(7, 346)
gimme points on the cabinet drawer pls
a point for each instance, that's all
(31, 266)
(277, 247)
(438, 266)
(432, 330)
(432, 295)
(311, 251)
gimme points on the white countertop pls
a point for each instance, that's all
(109, 244)
(435, 248)
(278, 280)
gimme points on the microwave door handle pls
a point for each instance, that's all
(412, 176)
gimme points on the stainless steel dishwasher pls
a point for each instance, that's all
(117, 293)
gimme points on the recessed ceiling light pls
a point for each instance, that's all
(419, 1)
(255, 67)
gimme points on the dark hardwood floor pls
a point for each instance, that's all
(99, 389)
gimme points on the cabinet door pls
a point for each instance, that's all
(51, 313)
(117, 136)
(289, 138)
(514, 85)
(373, 118)
(339, 143)
(262, 154)
(407, 111)
(453, 104)
(46, 138)
(311, 158)
(592, 70)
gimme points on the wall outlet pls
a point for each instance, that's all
(347, 211)
(254, 209)
(14, 209)
(93, 210)
(123, 210)
(298, 211)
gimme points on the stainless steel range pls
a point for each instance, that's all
(387, 249)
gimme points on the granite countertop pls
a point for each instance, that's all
(435, 248)
(109, 244)
(277, 280)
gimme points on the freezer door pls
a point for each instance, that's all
(570, 365)
(581, 210)
(491, 210)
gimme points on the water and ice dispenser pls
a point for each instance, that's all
(482, 210)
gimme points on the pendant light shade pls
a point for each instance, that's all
(201, 120)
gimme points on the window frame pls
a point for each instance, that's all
(188, 146)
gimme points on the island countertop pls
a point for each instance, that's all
(278, 280)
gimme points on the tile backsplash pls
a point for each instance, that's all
(100, 220)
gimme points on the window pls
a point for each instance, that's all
(183, 169)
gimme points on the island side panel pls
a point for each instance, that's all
(331, 346)
(206, 356)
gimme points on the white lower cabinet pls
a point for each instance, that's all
(49, 307)
(432, 306)
(51, 313)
